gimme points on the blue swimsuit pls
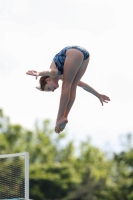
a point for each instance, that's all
(60, 57)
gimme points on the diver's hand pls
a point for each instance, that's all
(33, 73)
(103, 98)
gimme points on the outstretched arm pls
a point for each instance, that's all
(51, 73)
(102, 98)
(88, 88)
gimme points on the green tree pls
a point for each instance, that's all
(120, 186)
(58, 172)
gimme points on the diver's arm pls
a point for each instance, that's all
(88, 88)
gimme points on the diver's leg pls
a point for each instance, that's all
(77, 78)
(74, 59)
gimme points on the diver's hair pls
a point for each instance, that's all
(42, 83)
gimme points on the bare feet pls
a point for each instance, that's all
(60, 124)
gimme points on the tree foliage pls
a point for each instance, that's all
(57, 171)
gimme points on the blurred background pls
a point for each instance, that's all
(31, 33)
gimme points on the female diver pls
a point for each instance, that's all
(68, 65)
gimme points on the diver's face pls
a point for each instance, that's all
(51, 85)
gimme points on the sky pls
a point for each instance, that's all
(32, 32)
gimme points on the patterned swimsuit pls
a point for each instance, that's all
(60, 57)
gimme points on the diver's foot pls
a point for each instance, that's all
(60, 124)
